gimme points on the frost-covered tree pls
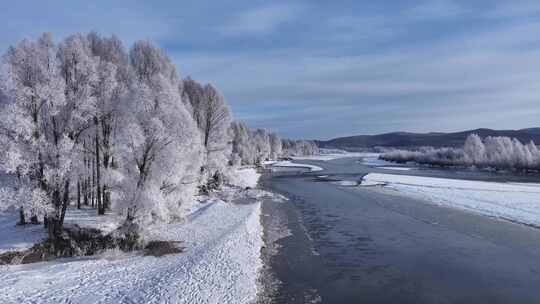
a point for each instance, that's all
(113, 80)
(213, 118)
(48, 89)
(242, 148)
(86, 82)
(32, 87)
(84, 119)
(475, 150)
(299, 147)
(193, 93)
(261, 141)
(275, 146)
(216, 118)
(494, 152)
(160, 146)
(253, 146)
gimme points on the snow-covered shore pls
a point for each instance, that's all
(245, 177)
(366, 158)
(289, 164)
(220, 262)
(519, 202)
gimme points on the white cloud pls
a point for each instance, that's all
(129, 22)
(260, 20)
(334, 63)
(469, 80)
(435, 9)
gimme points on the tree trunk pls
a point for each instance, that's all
(107, 157)
(34, 220)
(22, 218)
(93, 187)
(85, 191)
(101, 209)
(106, 197)
(65, 203)
(53, 222)
(87, 173)
(130, 214)
(78, 194)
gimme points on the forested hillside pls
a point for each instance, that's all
(434, 139)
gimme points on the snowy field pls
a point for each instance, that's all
(220, 265)
(15, 237)
(87, 217)
(518, 202)
(221, 261)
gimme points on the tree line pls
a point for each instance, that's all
(251, 147)
(85, 122)
(498, 152)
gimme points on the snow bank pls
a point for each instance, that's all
(289, 164)
(244, 177)
(396, 168)
(220, 264)
(347, 183)
(518, 202)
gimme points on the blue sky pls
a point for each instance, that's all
(321, 69)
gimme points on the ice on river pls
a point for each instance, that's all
(289, 164)
(518, 202)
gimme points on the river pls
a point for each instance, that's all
(368, 245)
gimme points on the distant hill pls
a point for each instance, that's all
(435, 139)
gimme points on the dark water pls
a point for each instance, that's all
(351, 245)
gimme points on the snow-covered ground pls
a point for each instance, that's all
(518, 202)
(13, 237)
(220, 265)
(397, 168)
(347, 183)
(245, 177)
(289, 164)
(87, 217)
